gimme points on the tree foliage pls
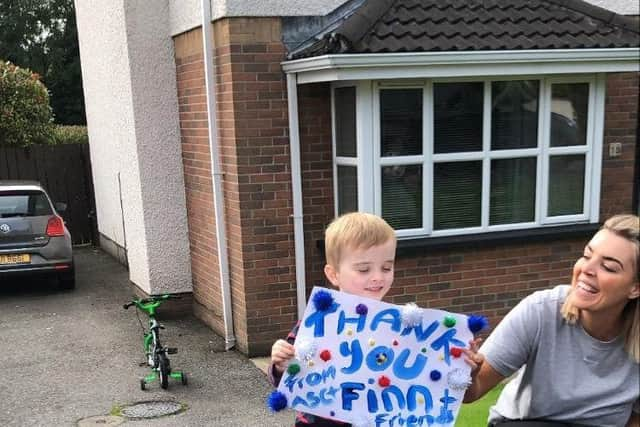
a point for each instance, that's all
(25, 114)
(41, 35)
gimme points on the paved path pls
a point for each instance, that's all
(68, 356)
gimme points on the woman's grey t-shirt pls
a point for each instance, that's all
(566, 374)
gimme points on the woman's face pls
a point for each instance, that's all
(605, 277)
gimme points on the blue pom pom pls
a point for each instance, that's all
(322, 300)
(362, 309)
(277, 401)
(477, 323)
(435, 375)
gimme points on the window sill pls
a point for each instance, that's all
(417, 245)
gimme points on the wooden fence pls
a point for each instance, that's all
(65, 172)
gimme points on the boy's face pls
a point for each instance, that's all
(364, 272)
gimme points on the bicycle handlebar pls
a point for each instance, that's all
(141, 302)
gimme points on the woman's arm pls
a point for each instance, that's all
(634, 420)
(483, 380)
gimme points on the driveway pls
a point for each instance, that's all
(73, 358)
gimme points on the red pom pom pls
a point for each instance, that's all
(395, 342)
(384, 381)
(456, 351)
(325, 355)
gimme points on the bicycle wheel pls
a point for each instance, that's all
(163, 370)
(154, 346)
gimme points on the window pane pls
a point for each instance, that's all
(402, 196)
(457, 113)
(400, 122)
(513, 191)
(347, 189)
(457, 194)
(24, 203)
(566, 185)
(345, 109)
(569, 105)
(514, 116)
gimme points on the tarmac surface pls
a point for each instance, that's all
(73, 358)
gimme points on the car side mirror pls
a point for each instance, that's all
(60, 207)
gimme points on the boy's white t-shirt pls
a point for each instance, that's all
(566, 374)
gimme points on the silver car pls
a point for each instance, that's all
(33, 237)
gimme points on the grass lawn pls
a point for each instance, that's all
(475, 414)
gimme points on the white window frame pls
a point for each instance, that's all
(369, 162)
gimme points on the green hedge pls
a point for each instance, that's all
(25, 114)
(70, 135)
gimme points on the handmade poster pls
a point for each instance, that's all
(371, 363)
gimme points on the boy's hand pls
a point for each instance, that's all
(472, 357)
(281, 353)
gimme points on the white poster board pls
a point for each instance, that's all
(371, 363)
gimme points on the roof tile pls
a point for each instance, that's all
(380, 26)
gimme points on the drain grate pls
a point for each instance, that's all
(151, 409)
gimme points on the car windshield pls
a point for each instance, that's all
(24, 203)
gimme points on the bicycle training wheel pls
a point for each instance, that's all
(163, 371)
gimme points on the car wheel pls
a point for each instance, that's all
(67, 280)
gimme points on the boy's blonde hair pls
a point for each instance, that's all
(627, 227)
(355, 230)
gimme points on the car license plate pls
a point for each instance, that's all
(15, 259)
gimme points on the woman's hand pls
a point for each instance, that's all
(281, 353)
(483, 376)
(472, 357)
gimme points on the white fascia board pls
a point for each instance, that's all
(461, 64)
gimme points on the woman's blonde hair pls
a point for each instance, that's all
(628, 227)
(355, 230)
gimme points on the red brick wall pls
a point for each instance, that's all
(317, 174)
(620, 125)
(488, 281)
(254, 138)
(254, 156)
(194, 133)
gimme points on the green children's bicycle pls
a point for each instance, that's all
(156, 354)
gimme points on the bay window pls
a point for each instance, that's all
(449, 157)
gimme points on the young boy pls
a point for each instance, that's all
(360, 249)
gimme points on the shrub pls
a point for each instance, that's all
(70, 135)
(25, 113)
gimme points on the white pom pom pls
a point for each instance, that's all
(305, 350)
(362, 421)
(411, 315)
(458, 379)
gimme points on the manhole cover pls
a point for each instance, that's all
(151, 409)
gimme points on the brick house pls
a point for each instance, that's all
(494, 136)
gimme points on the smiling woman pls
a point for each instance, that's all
(604, 289)
(576, 349)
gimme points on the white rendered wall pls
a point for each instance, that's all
(132, 114)
(623, 7)
(185, 14)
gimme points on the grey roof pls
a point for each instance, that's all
(386, 26)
